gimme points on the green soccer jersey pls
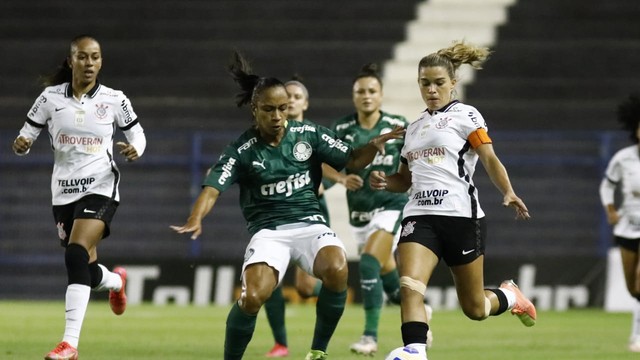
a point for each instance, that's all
(279, 184)
(365, 202)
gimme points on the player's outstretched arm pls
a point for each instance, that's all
(203, 205)
(363, 156)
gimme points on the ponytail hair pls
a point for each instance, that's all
(369, 70)
(457, 54)
(629, 116)
(64, 74)
(251, 85)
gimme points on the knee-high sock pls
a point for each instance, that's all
(635, 325)
(240, 327)
(329, 309)
(391, 285)
(275, 315)
(76, 301)
(371, 288)
(76, 260)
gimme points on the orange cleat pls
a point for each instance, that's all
(118, 299)
(63, 351)
(523, 308)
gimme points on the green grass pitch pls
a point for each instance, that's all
(29, 329)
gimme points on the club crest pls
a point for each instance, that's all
(302, 151)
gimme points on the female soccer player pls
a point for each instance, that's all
(81, 115)
(306, 285)
(443, 218)
(622, 174)
(277, 164)
(374, 216)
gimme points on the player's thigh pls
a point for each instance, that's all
(469, 281)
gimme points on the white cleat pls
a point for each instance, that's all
(367, 345)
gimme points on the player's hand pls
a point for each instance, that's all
(511, 200)
(21, 145)
(378, 180)
(352, 182)
(612, 217)
(380, 140)
(128, 151)
(192, 226)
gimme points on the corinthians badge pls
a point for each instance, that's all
(101, 111)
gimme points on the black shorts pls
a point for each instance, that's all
(89, 207)
(629, 244)
(457, 240)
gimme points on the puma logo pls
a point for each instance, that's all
(261, 164)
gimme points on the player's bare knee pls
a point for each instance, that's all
(335, 277)
(477, 310)
(251, 301)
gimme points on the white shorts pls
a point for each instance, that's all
(299, 242)
(387, 220)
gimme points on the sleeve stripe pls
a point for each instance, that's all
(34, 124)
(131, 124)
(479, 137)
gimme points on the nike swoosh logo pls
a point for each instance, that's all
(69, 310)
(87, 211)
(467, 252)
(58, 109)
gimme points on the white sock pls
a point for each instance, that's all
(635, 325)
(110, 280)
(76, 301)
(511, 297)
(422, 348)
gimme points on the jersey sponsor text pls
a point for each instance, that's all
(247, 145)
(286, 187)
(37, 105)
(334, 143)
(226, 171)
(434, 155)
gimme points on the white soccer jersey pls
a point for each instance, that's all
(81, 134)
(623, 171)
(442, 162)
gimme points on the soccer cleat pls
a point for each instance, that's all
(316, 355)
(277, 351)
(523, 308)
(367, 345)
(429, 310)
(118, 299)
(63, 351)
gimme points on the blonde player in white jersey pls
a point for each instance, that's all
(443, 218)
(81, 115)
(622, 174)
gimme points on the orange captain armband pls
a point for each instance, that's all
(479, 137)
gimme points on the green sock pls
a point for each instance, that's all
(329, 309)
(391, 285)
(371, 288)
(316, 288)
(240, 327)
(274, 308)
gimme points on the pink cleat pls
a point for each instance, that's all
(277, 351)
(63, 351)
(118, 299)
